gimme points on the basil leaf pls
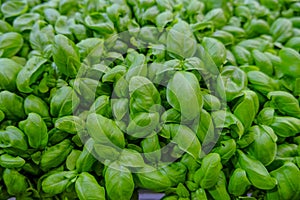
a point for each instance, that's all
(288, 185)
(35, 129)
(8, 161)
(234, 81)
(118, 182)
(151, 148)
(207, 175)
(186, 140)
(152, 179)
(186, 96)
(143, 95)
(70, 124)
(10, 44)
(86, 158)
(66, 56)
(238, 182)
(290, 62)
(181, 45)
(12, 105)
(55, 155)
(281, 30)
(215, 49)
(263, 62)
(131, 158)
(13, 137)
(246, 108)
(15, 182)
(219, 191)
(34, 104)
(143, 124)
(261, 82)
(57, 183)
(9, 70)
(64, 102)
(256, 172)
(104, 130)
(87, 187)
(176, 172)
(286, 126)
(223, 119)
(264, 147)
(286, 103)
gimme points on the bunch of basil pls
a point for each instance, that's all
(196, 99)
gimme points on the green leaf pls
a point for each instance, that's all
(35, 129)
(266, 116)
(58, 182)
(246, 108)
(183, 94)
(25, 21)
(219, 191)
(294, 43)
(143, 95)
(290, 64)
(257, 27)
(285, 102)
(199, 194)
(226, 149)
(70, 124)
(215, 49)
(119, 182)
(10, 44)
(223, 119)
(105, 131)
(234, 81)
(152, 179)
(286, 126)
(176, 172)
(66, 56)
(264, 147)
(102, 106)
(13, 137)
(207, 175)
(34, 104)
(120, 108)
(55, 155)
(263, 62)
(131, 158)
(242, 55)
(186, 140)
(8, 161)
(217, 17)
(9, 70)
(91, 49)
(151, 148)
(86, 159)
(287, 177)
(87, 187)
(30, 73)
(143, 124)
(72, 158)
(64, 102)
(262, 83)
(281, 30)
(14, 8)
(180, 41)
(238, 182)
(15, 182)
(100, 23)
(256, 172)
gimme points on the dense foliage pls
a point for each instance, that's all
(197, 99)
